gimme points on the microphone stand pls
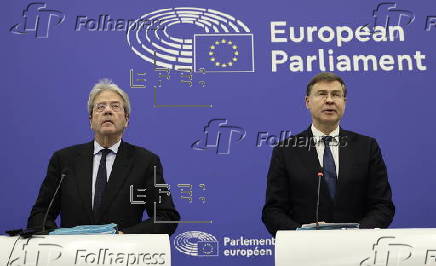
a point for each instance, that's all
(319, 174)
(29, 232)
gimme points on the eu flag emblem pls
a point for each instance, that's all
(224, 52)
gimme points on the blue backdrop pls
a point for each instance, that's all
(247, 64)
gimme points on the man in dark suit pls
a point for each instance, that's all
(354, 185)
(104, 179)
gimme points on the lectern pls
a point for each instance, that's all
(96, 250)
(364, 247)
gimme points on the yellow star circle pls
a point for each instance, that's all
(213, 58)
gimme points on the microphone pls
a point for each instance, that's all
(63, 175)
(320, 174)
(29, 232)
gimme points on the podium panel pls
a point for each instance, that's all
(362, 247)
(98, 250)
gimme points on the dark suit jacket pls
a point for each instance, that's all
(363, 193)
(132, 166)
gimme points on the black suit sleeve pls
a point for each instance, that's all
(380, 209)
(45, 195)
(165, 210)
(276, 211)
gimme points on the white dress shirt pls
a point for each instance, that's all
(334, 146)
(110, 158)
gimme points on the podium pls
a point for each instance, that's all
(362, 247)
(96, 250)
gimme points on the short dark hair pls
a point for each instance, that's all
(328, 77)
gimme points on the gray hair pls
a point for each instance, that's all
(103, 85)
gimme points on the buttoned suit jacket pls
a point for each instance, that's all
(363, 193)
(134, 168)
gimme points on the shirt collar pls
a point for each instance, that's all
(317, 134)
(113, 148)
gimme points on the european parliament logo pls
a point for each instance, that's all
(190, 38)
(196, 243)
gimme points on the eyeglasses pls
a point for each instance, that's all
(115, 106)
(335, 95)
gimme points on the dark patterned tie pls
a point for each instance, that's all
(329, 167)
(100, 182)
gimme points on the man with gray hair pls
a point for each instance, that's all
(101, 175)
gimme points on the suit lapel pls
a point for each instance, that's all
(308, 152)
(309, 157)
(84, 177)
(345, 158)
(118, 175)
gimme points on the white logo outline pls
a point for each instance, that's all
(187, 243)
(179, 53)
